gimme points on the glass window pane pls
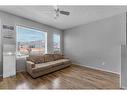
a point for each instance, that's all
(30, 41)
(56, 42)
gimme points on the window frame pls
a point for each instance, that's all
(33, 29)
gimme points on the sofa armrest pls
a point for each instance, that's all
(30, 64)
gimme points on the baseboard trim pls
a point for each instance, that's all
(97, 69)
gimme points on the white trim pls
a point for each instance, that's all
(97, 68)
(1, 75)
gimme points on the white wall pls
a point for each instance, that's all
(124, 66)
(97, 44)
(10, 19)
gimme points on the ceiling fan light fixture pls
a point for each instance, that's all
(57, 12)
(56, 15)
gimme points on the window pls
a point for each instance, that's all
(56, 42)
(30, 41)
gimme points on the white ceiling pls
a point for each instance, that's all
(78, 14)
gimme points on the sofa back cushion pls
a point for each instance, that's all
(57, 56)
(48, 57)
(45, 58)
(36, 59)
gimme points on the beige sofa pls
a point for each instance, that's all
(40, 65)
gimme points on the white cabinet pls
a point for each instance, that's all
(9, 67)
(8, 49)
(9, 60)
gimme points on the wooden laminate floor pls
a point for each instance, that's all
(73, 77)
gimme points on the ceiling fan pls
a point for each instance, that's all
(58, 12)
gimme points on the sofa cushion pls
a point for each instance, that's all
(49, 65)
(36, 59)
(57, 56)
(42, 66)
(60, 61)
(48, 57)
(44, 58)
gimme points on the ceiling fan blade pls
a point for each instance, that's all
(64, 12)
